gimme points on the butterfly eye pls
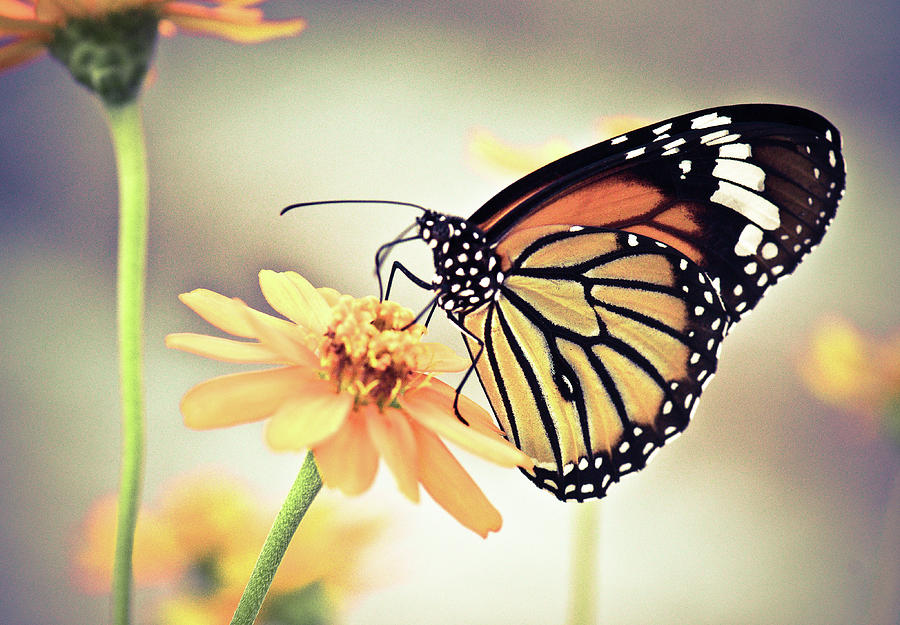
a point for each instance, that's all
(440, 231)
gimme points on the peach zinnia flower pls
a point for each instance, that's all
(107, 44)
(354, 385)
(201, 538)
(29, 25)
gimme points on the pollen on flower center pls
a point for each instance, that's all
(369, 351)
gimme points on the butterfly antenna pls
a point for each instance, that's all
(320, 202)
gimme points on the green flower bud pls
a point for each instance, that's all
(109, 54)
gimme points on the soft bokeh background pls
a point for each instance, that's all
(769, 509)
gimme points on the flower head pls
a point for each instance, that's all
(107, 44)
(856, 373)
(354, 385)
(200, 540)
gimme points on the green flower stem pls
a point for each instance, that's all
(302, 493)
(128, 142)
(585, 546)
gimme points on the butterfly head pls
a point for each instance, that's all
(468, 272)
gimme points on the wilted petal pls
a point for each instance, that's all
(393, 438)
(243, 397)
(303, 422)
(348, 460)
(452, 488)
(294, 297)
(227, 350)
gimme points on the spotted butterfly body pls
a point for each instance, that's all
(594, 293)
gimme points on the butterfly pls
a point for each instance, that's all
(594, 293)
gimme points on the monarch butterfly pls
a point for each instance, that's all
(594, 293)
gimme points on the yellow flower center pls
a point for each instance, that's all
(371, 350)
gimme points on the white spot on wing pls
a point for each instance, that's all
(769, 251)
(724, 139)
(662, 129)
(749, 240)
(735, 150)
(618, 140)
(635, 152)
(718, 134)
(709, 120)
(741, 172)
(757, 209)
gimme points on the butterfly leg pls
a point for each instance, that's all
(419, 282)
(471, 368)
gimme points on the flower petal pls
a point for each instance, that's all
(476, 416)
(393, 438)
(348, 460)
(303, 422)
(439, 358)
(292, 342)
(226, 350)
(235, 23)
(19, 52)
(12, 25)
(294, 297)
(243, 397)
(452, 488)
(226, 313)
(17, 10)
(432, 412)
(331, 295)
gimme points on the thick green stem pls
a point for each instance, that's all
(302, 493)
(128, 141)
(585, 586)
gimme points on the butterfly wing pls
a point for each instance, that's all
(743, 191)
(595, 351)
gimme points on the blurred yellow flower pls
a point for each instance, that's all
(854, 372)
(202, 540)
(158, 556)
(489, 153)
(354, 384)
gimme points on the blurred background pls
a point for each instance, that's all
(771, 508)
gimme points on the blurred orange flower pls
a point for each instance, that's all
(354, 384)
(202, 540)
(854, 372)
(28, 26)
(489, 153)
